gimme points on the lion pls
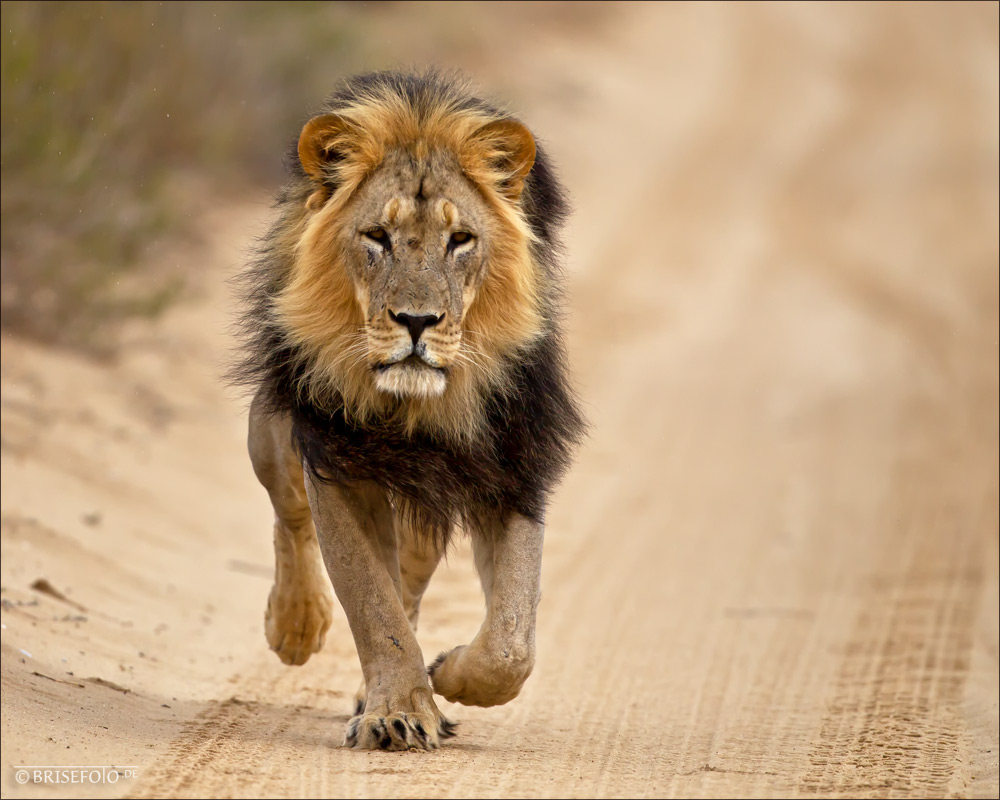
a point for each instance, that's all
(402, 339)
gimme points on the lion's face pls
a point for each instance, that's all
(415, 245)
(413, 280)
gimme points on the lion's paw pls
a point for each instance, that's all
(296, 621)
(469, 676)
(398, 731)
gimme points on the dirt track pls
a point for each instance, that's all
(774, 569)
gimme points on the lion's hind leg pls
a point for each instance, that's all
(300, 605)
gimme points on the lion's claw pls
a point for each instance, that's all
(398, 731)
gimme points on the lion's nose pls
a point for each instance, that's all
(416, 322)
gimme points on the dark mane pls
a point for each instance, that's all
(532, 424)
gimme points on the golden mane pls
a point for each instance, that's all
(318, 307)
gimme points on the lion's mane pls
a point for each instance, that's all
(528, 422)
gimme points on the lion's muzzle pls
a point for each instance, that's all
(410, 353)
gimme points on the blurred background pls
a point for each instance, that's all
(776, 557)
(122, 121)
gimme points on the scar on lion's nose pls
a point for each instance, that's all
(413, 242)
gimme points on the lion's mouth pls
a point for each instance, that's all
(411, 377)
(412, 361)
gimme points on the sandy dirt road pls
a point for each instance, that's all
(774, 568)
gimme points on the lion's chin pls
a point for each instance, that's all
(411, 380)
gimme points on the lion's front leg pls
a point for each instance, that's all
(419, 555)
(358, 541)
(491, 669)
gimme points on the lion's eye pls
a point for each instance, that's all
(378, 235)
(458, 238)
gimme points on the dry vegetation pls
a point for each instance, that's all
(121, 121)
(106, 105)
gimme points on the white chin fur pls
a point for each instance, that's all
(410, 381)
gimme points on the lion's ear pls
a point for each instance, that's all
(507, 148)
(321, 144)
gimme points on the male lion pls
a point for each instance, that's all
(403, 343)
